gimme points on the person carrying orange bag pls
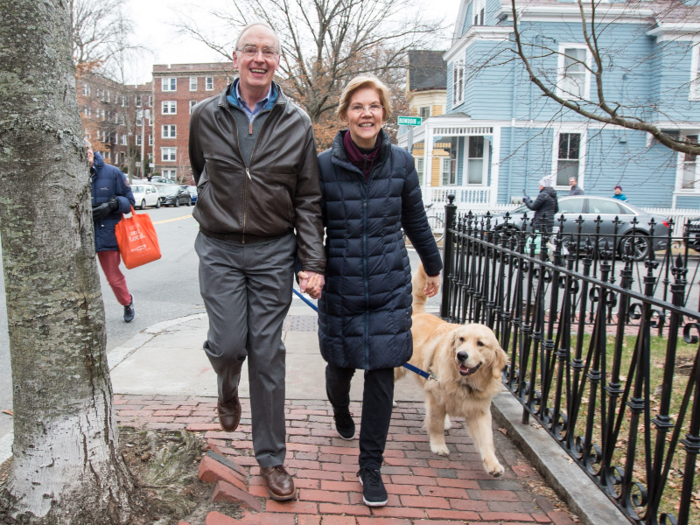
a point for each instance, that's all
(137, 240)
(111, 196)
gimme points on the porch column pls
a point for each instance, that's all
(427, 163)
(495, 163)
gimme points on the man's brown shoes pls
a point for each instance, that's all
(280, 484)
(230, 413)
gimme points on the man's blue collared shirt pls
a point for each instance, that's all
(265, 103)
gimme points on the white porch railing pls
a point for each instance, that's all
(464, 196)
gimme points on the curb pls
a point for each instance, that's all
(567, 479)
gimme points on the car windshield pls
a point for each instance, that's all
(192, 189)
(137, 189)
(168, 190)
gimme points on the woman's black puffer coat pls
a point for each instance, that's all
(365, 308)
(545, 206)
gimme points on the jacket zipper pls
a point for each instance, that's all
(247, 168)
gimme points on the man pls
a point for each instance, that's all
(254, 160)
(111, 197)
(575, 189)
(618, 194)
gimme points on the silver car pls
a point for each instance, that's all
(589, 208)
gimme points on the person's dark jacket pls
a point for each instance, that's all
(365, 307)
(275, 194)
(575, 190)
(544, 206)
(108, 180)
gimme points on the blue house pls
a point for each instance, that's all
(500, 135)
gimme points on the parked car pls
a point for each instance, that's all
(145, 195)
(173, 195)
(162, 180)
(589, 208)
(193, 193)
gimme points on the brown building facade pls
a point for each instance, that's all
(115, 119)
(176, 90)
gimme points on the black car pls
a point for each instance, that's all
(589, 209)
(174, 195)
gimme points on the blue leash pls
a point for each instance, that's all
(409, 366)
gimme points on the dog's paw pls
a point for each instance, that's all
(448, 424)
(495, 469)
(440, 450)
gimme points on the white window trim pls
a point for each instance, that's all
(196, 83)
(169, 102)
(680, 169)
(162, 154)
(163, 84)
(560, 71)
(581, 157)
(206, 84)
(457, 96)
(465, 163)
(694, 92)
(477, 6)
(168, 127)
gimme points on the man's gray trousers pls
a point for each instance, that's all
(247, 291)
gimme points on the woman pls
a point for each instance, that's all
(544, 206)
(370, 191)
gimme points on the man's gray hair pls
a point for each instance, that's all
(263, 24)
(87, 143)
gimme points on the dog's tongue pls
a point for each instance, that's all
(464, 370)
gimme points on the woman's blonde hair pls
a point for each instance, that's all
(361, 83)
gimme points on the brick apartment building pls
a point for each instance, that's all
(117, 119)
(176, 89)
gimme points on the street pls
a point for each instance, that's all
(163, 290)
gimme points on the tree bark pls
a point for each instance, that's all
(66, 465)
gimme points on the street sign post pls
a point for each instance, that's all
(410, 122)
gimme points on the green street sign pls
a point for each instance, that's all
(410, 121)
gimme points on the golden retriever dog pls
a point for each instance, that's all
(467, 360)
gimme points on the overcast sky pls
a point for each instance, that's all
(154, 30)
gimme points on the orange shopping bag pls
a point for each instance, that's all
(137, 240)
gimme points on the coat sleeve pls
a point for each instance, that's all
(415, 221)
(538, 203)
(195, 150)
(307, 209)
(124, 194)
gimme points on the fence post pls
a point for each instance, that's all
(447, 270)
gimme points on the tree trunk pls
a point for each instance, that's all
(66, 465)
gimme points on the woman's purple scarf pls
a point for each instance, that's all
(364, 161)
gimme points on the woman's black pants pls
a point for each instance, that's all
(377, 402)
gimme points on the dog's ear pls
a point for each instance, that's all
(499, 363)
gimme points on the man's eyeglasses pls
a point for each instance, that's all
(252, 51)
(373, 108)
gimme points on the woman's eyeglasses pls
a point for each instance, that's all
(372, 108)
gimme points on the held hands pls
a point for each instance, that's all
(432, 286)
(311, 283)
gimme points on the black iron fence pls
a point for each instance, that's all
(602, 347)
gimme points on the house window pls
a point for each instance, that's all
(102, 113)
(457, 83)
(139, 117)
(168, 84)
(169, 107)
(424, 112)
(478, 12)
(86, 90)
(122, 120)
(193, 83)
(138, 101)
(568, 158)
(168, 154)
(420, 168)
(573, 77)
(449, 171)
(695, 73)
(147, 113)
(169, 131)
(209, 83)
(170, 174)
(475, 161)
(150, 140)
(138, 140)
(193, 103)
(690, 172)
(108, 95)
(123, 101)
(123, 140)
(150, 101)
(107, 155)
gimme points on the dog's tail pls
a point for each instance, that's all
(419, 281)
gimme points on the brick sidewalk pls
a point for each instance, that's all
(422, 486)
